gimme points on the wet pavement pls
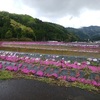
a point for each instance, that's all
(21, 89)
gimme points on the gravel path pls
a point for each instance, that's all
(34, 90)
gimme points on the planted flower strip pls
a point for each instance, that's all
(78, 47)
(62, 64)
(75, 71)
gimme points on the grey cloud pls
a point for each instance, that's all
(60, 8)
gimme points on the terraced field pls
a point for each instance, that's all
(77, 64)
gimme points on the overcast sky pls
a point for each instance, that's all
(69, 13)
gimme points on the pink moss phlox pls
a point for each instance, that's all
(0, 66)
(40, 73)
(25, 71)
(10, 68)
(32, 71)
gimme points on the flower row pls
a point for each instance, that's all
(44, 73)
(91, 45)
(52, 62)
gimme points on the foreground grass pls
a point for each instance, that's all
(5, 75)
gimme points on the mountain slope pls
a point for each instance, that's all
(92, 31)
(87, 33)
(24, 26)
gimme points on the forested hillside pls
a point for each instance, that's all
(91, 33)
(24, 27)
(18, 27)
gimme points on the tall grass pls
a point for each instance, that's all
(5, 75)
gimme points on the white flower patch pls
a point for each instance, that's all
(90, 59)
(37, 59)
(65, 62)
(95, 60)
(57, 56)
(63, 58)
(68, 61)
(26, 57)
(79, 64)
(46, 59)
(53, 59)
(88, 63)
(40, 55)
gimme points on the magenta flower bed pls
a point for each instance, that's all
(83, 46)
(62, 64)
(52, 68)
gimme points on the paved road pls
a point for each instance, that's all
(34, 90)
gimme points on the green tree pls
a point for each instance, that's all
(8, 34)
